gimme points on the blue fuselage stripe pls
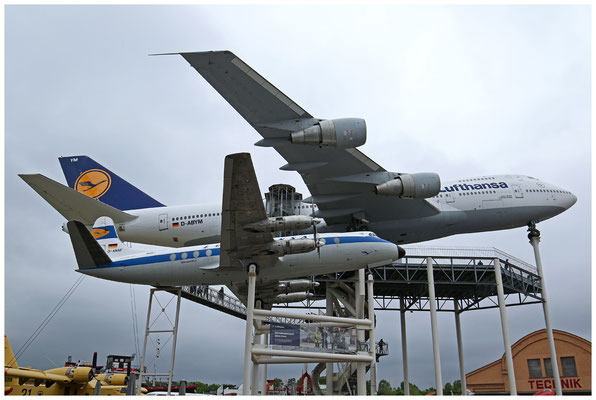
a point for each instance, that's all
(190, 254)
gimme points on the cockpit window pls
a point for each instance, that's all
(372, 234)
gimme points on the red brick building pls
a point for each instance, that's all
(532, 365)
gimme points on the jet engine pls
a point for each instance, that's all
(412, 186)
(344, 133)
(277, 224)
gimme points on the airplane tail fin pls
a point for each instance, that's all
(9, 359)
(98, 247)
(87, 176)
(88, 251)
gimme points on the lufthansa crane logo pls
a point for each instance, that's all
(99, 232)
(94, 183)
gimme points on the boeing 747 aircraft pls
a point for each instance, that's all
(138, 217)
(352, 191)
(348, 190)
(246, 238)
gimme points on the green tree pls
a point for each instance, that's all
(384, 388)
(448, 389)
(457, 387)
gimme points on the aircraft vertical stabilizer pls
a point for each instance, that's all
(87, 176)
(87, 251)
(9, 359)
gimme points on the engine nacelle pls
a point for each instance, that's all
(277, 224)
(292, 297)
(80, 374)
(290, 246)
(344, 133)
(297, 285)
(412, 186)
(114, 379)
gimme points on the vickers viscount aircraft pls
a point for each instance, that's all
(246, 238)
(352, 191)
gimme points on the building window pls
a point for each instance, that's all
(535, 368)
(568, 365)
(548, 368)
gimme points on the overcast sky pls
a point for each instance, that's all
(458, 90)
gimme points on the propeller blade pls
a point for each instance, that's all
(94, 363)
(316, 238)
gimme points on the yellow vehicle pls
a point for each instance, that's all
(69, 380)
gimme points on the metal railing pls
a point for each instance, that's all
(462, 252)
(216, 297)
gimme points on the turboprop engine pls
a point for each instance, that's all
(79, 374)
(292, 297)
(344, 133)
(278, 224)
(412, 186)
(297, 285)
(289, 246)
(114, 379)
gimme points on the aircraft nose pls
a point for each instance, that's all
(567, 199)
(396, 251)
(572, 200)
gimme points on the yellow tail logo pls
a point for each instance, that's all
(93, 183)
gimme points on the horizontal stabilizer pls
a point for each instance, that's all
(87, 251)
(72, 204)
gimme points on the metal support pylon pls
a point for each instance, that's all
(534, 236)
(149, 331)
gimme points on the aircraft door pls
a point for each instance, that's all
(449, 197)
(518, 192)
(163, 222)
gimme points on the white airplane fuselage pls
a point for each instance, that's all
(200, 264)
(486, 203)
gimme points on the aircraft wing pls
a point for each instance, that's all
(72, 204)
(341, 181)
(34, 374)
(241, 205)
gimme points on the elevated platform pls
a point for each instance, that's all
(460, 273)
(464, 274)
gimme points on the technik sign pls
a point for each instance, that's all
(566, 383)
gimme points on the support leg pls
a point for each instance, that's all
(175, 333)
(371, 340)
(361, 367)
(250, 308)
(460, 349)
(534, 237)
(404, 345)
(329, 366)
(142, 367)
(254, 386)
(264, 376)
(505, 329)
(434, 327)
